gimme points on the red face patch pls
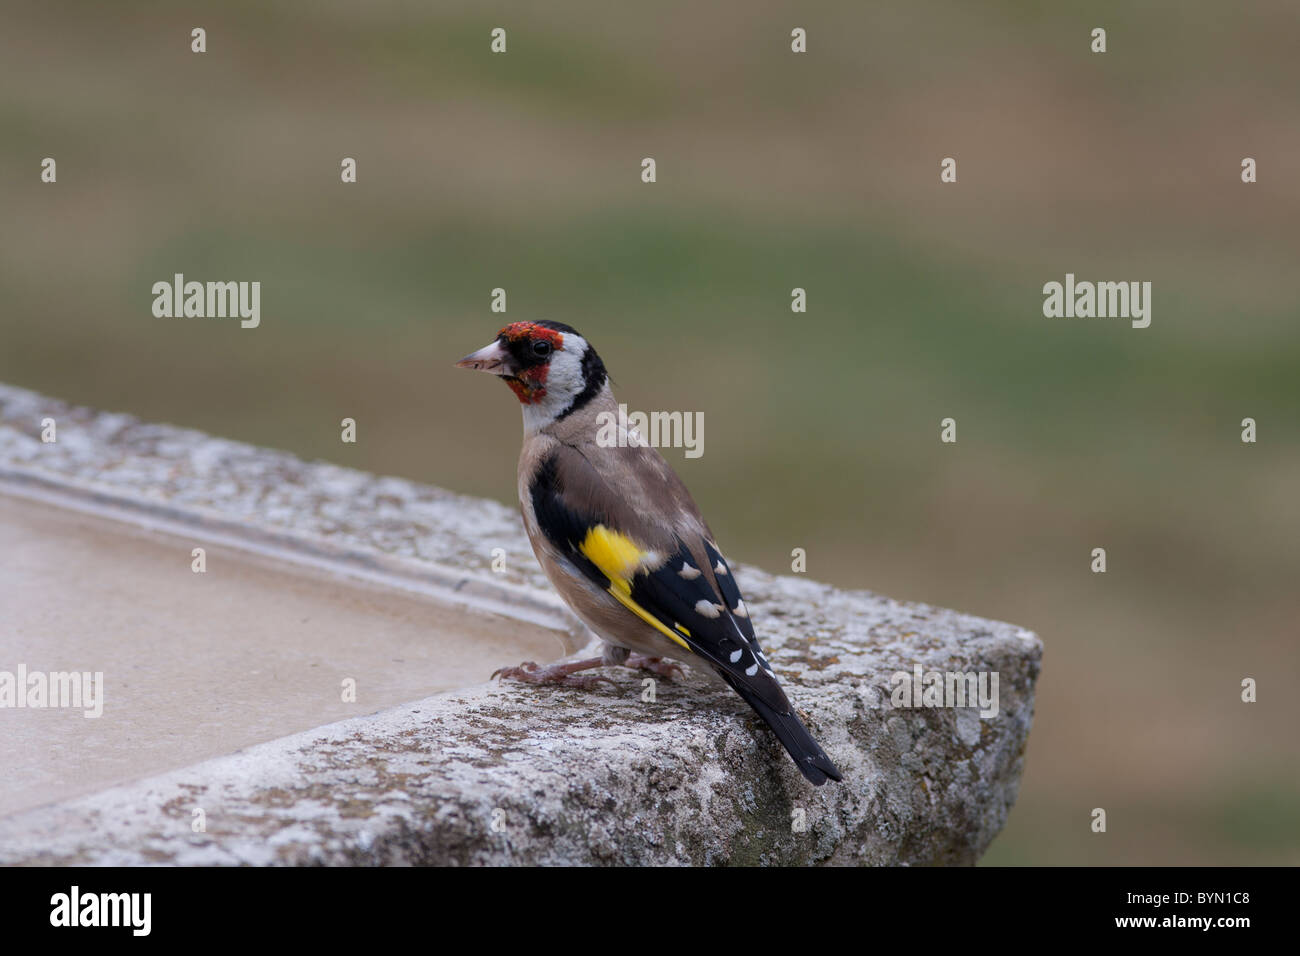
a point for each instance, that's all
(533, 332)
(530, 385)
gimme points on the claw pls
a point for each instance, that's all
(513, 671)
(563, 675)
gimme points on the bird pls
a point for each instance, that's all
(622, 541)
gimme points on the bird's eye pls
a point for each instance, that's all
(541, 348)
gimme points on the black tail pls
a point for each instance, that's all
(808, 756)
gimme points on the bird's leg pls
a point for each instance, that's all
(655, 665)
(563, 673)
(615, 656)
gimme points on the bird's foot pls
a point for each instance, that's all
(563, 674)
(655, 665)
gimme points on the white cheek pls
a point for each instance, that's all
(564, 380)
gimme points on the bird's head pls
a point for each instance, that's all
(548, 365)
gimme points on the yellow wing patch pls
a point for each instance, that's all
(619, 558)
(617, 555)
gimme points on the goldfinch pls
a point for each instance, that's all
(620, 538)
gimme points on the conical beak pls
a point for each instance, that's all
(492, 358)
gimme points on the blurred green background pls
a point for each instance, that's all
(775, 170)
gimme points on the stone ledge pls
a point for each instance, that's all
(520, 775)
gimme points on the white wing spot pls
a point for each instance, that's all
(706, 608)
(740, 610)
(736, 655)
(720, 568)
(688, 572)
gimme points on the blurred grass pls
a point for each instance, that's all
(821, 431)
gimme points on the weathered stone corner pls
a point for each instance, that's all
(511, 774)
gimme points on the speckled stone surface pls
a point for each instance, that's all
(510, 774)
